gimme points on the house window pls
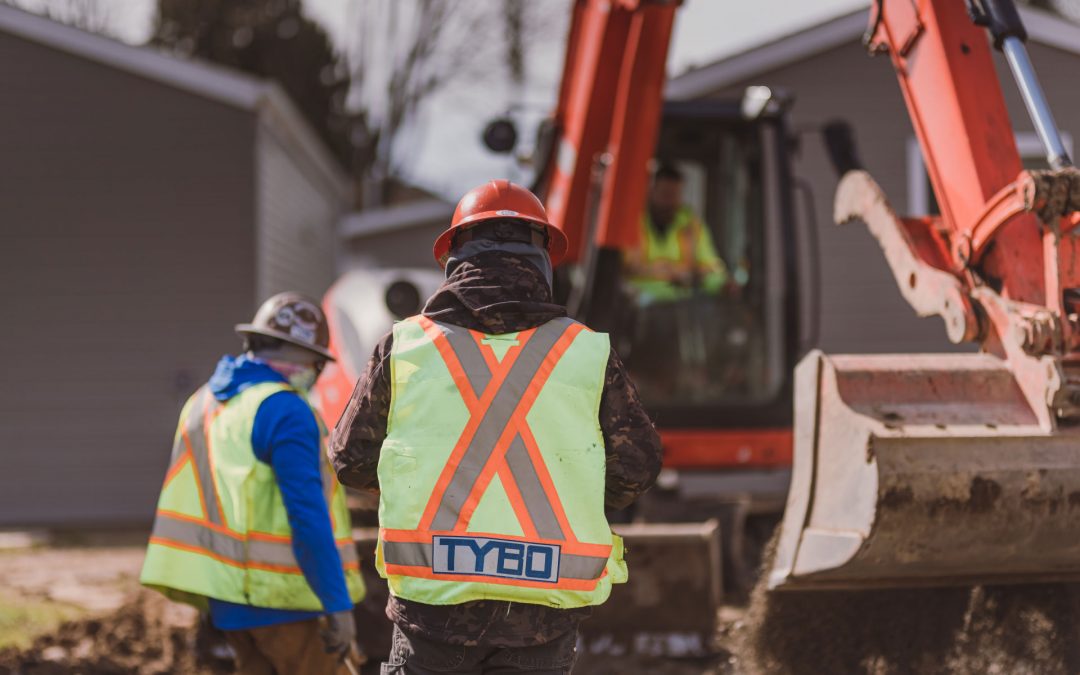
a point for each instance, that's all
(921, 199)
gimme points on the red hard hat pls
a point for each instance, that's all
(500, 199)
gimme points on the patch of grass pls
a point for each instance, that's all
(23, 619)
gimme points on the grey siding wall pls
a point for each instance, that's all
(297, 210)
(862, 310)
(126, 227)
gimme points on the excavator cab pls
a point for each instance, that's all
(719, 345)
(713, 364)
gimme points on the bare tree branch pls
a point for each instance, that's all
(94, 16)
(405, 51)
(514, 16)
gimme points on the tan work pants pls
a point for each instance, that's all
(284, 649)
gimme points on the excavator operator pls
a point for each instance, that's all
(676, 256)
(673, 276)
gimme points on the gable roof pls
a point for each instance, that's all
(239, 90)
(373, 222)
(1042, 27)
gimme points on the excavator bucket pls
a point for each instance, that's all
(919, 470)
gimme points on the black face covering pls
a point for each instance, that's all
(661, 219)
(507, 235)
(534, 254)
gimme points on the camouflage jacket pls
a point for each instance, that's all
(495, 293)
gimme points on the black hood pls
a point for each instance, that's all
(494, 292)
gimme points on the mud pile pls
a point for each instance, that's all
(1012, 630)
(147, 636)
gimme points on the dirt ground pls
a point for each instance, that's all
(104, 624)
(1014, 630)
(981, 630)
(146, 636)
(95, 579)
(81, 611)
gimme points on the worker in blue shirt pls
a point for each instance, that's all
(271, 556)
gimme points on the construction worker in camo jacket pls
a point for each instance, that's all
(251, 524)
(496, 430)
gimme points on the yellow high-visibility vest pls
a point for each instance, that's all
(686, 243)
(493, 469)
(221, 530)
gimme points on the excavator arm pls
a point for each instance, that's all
(953, 468)
(999, 232)
(607, 117)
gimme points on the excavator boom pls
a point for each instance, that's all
(608, 117)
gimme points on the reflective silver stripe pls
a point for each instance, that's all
(276, 553)
(581, 566)
(532, 492)
(417, 554)
(347, 551)
(494, 422)
(468, 353)
(279, 553)
(407, 553)
(200, 453)
(199, 536)
(179, 448)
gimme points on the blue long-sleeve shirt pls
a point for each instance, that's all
(285, 435)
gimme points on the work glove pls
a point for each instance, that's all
(339, 632)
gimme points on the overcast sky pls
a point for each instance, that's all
(450, 157)
(704, 29)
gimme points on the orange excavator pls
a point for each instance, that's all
(904, 469)
(908, 469)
